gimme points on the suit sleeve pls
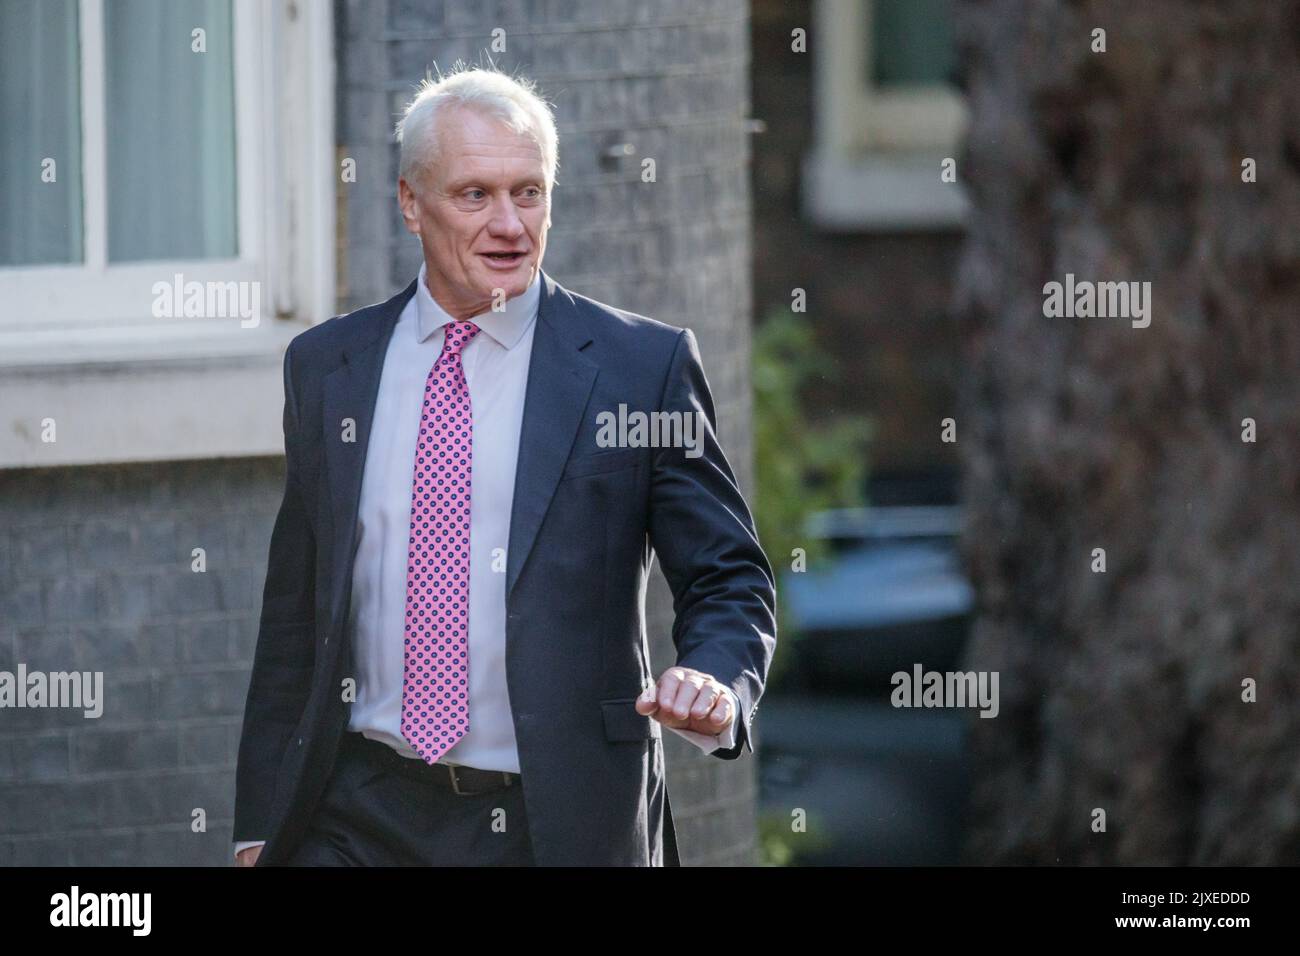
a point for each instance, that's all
(724, 593)
(285, 654)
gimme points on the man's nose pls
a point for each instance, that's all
(505, 222)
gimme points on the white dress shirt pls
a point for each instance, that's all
(496, 365)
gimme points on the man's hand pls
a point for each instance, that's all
(248, 856)
(687, 699)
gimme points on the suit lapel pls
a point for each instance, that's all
(560, 379)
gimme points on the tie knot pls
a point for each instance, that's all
(458, 335)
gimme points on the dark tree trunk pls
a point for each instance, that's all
(1123, 690)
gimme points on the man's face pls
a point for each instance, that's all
(486, 193)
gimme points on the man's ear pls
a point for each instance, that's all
(410, 206)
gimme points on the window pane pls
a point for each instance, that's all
(171, 130)
(40, 133)
(911, 42)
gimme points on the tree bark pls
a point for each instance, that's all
(1123, 690)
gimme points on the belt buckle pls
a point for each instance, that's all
(455, 783)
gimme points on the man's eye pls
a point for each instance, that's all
(475, 194)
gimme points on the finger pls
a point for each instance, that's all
(687, 691)
(646, 703)
(722, 711)
(705, 701)
(669, 684)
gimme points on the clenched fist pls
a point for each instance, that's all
(686, 699)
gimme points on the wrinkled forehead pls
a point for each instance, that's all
(470, 140)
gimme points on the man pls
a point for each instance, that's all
(451, 660)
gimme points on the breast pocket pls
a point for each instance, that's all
(602, 463)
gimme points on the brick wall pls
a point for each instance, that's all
(96, 575)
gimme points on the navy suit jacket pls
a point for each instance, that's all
(586, 523)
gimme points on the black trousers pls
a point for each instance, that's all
(374, 813)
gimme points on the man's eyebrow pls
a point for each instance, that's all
(456, 185)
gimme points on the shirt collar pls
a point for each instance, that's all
(506, 327)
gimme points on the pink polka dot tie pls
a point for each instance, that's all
(435, 688)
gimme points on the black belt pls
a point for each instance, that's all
(465, 781)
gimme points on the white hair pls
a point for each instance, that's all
(512, 100)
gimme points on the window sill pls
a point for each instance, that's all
(881, 193)
(152, 392)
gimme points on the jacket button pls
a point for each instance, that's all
(299, 741)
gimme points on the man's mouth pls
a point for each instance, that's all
(503, 257)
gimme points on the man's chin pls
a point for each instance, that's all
(514, 282)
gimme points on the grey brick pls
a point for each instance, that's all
(208, 694)
(209, 789)
(113, 848)
(101, 542)
(41, 758)
(106, 543)
(71, 598)
(107, 750)
(203, 642)
(32, 808)
(23, 720)
(126, 647)
(243, 640)
(207, 531)
(82, 806)
(123, 597)
(182, 592)
(412, 15)
(128, 696)
(211, 848)
(134, 801)
(44, 649)
(484, 15)
(21, 604)
(250, 537)
(42, 851)
(234, 733)
(41, 549)
(204, 745)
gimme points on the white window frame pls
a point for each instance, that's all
(877, 153)
(79, 344)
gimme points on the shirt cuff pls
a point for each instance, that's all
(245, 844)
